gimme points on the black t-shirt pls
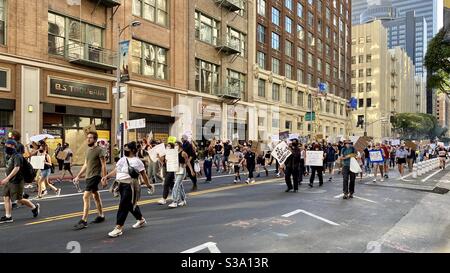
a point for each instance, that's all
(20, 148)
(15, 160)
(250, 158)
(218, 148)
(187, 147)
(227, 149)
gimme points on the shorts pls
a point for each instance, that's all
(401, 161)
(46, 173)
(92, 183)
(237, 168)
(330, 165)
(14, 191)
(67, 166)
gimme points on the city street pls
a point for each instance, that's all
(390, 216)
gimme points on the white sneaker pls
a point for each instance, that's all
(162, 202)
(278, 174)
(182, 203)
(139, 224)
(382, 180)
(247, 181)
(115, 233)
(173, 205)
(375, 180)
(235, 181)
(44, 193)
(58, 192)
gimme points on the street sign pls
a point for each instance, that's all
(135, 124)
(308, 116)
(323, 87)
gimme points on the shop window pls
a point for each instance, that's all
(4, 80)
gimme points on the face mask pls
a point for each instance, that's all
(126, 153)
(91, 144)
(41, 151)
(10, 151)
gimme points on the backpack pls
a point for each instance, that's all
(28, 173)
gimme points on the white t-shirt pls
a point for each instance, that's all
(122, 167)
(69, 155)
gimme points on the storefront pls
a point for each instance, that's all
(208, 123)
(71, 105)
(158, 126)
(237, 128)
(7, 108)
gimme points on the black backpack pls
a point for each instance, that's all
(28, 173)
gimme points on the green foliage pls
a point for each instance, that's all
(437, 62)
(418, 126)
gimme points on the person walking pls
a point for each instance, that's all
(346, 154)
(367, 162)
(227, 149)
(330, 159)
(45, 173)
(292, 166)
(250, 162)
(95, 168)
(238, 162)
(169, 178)
(208, 163)
(261, 163)
(400, 156)
(60, 161)
(129, 188)
(67, 154)
(378, 165)
(442, 153)
(392, 157)
(178, 193)
(187, 147)
(386, 150)
(218, 149)
(318, 169)
(13, 184)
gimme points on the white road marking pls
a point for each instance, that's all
(357, 197)
(310, 214)
(211, 246)
(431, 175)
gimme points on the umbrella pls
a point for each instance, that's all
(38, 138)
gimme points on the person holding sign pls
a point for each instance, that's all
(237, 159)
(169, 179)
(178, 193)
(347, 153)
(442, 152)
(317, 167)
(377, 158)
(291, 166)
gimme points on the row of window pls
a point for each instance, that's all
(361, 87)
(361, 59)
(361, 73)
(300, 122)
(362, 40)
(368, 102)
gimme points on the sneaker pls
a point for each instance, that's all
(375, 180)
(162, 202)
(235, 181)
(310, 185)
(386, 176)
(278, 175)
(330, 179)
(140, 223)
(115, 233)
(80, 225)
(58, 192)
(173, 205)
(247, 181)
(98, 220)
(28, 186)
(382, 180)
(345, 196)
(350, 196)
(5, 219)
(36, 210)
(194, 188)
(44, 193)
(182, 203)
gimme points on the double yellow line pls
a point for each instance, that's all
(146, 202)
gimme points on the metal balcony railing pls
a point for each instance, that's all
(108, 3)
(231, 91)
(229, 46)
(89, 55)
(231, 5)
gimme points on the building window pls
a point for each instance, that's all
(353, 87)
(261, 58)
(149, 60)
(261, 121)
(353, 59)
(4, 80)
(288, 124)
(327, 106)
(300, 99)
(236, 82)
(275, 16)
(206, 77)
(300, 10)
(309, 102)
(369, 102)
(361, 87)
(288, 25)
(56, 33)
(288, 48)
(310, 79)
(353, 74)
(275, 41)
(288, 71)
(300, 124)
(361, 103)
(262, 7)
(2, 22)
(261, 88)
(237, 39)
(361, 73)
(276, 92)
(275, 123)
(261, 34)
(310, 18)
(276, 66)
(289, 95)
(300, 76)
(361, 59)
(369, 58)
(335, 108)
(310, 60)
(368, 87)
(311, 40)
(300, 54)
(368, 39)
(154, 11)
(206, 28)
(369, 72)
(288, 4)
(361, 40)
(341, 110)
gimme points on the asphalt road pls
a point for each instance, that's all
(225, 217)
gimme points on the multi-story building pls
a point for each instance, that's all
(300, 44)
(443, 111)
(383, 82)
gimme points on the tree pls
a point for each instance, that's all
(417, 126)
(437, 62)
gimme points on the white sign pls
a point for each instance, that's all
(172, 160)
(281, 152)
(135, 124)
(314, 158)
(37, 162)
(275, 138)
(293, 136)
(354, 139)
(440, 143)
(158, 149)
(188, 133)
(395, 142)
(376, 156)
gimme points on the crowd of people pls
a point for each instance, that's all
(139, 165)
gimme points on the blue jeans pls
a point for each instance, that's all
(207, 166)
(178, 193)
(367, 166)
(218, 160)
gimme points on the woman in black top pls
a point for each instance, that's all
(178, 193)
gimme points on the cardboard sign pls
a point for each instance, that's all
(88, 129)
(275, 138)
(172, 160)
(281, 152)
(319, 137)
(158, 149)
(362, 143)
(376, 156)
(293, 136)
(411, 144)
(314, 158)
(37, 162)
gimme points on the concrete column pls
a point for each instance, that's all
(252, 123)
(124, 111)
(31, 115)
(224, 123)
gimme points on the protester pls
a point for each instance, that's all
(58, 151)
(261, 163)
(218, 149)
(169, 178)
(13, 184)
(178, 193)
(346, 154)
(378, 165)
(208, 162)
(227, 149)
(318, 169)
(442, 152)
(400, 156)
(291, 167)
(45, 174)
(330, 159)
(250, 162)
(95, 168)
(238, 162)
(187, 147)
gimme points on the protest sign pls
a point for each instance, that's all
(395, 142)
(411, 144)
(376, 156)
(362, 143)
(158, 149)
(37, 162)
(281, 152)
(172, 163)
(314, 158)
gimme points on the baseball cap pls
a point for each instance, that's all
(11, 142)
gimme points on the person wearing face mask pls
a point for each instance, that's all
(400, 156)
(178, 193)
(291, 166)
(250, 163)
(129, 188)
(189, 149)
(95, 168)
(346, 154)
(45, 173)
(318, 169)
(169, 179)
(13, 184)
